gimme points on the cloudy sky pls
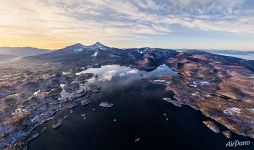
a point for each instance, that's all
(209, 24)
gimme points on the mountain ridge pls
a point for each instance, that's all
(23, 51)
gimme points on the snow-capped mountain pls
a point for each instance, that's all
(99, 53)
(97, 46)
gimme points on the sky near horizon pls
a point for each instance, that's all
(191, 24)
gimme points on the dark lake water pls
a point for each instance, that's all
(139, 118)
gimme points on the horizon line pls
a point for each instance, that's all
(55, 49)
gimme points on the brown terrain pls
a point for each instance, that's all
(220, 87)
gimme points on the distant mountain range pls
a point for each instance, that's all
(4, 58)
(9, 54)
(78, 54)
(231, 52)
(249, 55)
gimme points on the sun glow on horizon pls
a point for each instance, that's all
(191, 24)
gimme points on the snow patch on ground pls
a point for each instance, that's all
(66, 73)
(63, 95)
(233, 110)
(159, 81)
(79, 50)
(37, 92)
(95, 54)
(251, 110)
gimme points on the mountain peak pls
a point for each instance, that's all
(77, 45)
(98, 45)
(74, 48)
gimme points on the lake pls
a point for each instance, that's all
(137, 117)
(246, 56)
